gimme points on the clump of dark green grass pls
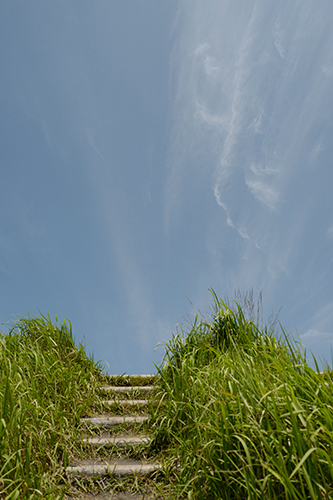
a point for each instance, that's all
(46, 384)
(242, 414)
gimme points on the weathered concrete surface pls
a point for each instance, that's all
(117, 440)
(114, 468)
(120, 467)
(109, 421)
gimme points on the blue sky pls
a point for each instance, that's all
(153, 150)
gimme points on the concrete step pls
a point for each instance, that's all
(127, 388)
(117, 440)
(120, 386)
(131, 402)
(110, 421)
(114, 468)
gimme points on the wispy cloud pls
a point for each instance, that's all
(213, 120)
(321, 321)
(233, 116)
(211, 66)
(141, 317)
(263, 192)
(91, 141)
(318, 334)
(314, 334)
(329, 231)
(243, 233)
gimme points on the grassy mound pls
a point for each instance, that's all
(46, 384)
(242, 415)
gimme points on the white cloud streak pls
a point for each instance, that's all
(264, 192)
(141, 316)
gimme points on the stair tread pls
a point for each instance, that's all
(118, 468)
(117, 419)
(116, 440)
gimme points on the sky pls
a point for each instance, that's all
(151, 151)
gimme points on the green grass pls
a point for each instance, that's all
(46, 384)
(129, 380)
(242, 415)
(237, 413)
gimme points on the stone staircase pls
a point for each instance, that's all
(115, 441)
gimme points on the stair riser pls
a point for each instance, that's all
(119, 467)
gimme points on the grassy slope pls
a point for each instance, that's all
(239, 413)
(242, 415)
(46, 384)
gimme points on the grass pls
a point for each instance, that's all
(46, 384)
(130, 380)
(111, 485)
(237, 412)
(241, 414)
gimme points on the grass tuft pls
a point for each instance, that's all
(240, 413)
(46, 384)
